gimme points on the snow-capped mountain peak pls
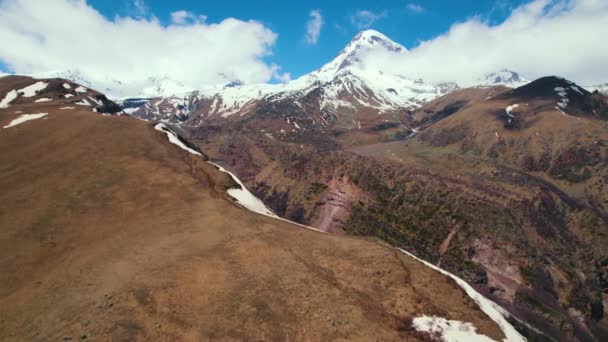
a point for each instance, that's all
(370, 39)
(350, 82)
(350, 56)
(503, 77)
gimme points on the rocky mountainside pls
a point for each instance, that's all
(502, 184)
(344, 97)
(21, 91)
(503, 77)
(348, 93)
(114, 228)
(600, 88)
(343, 86)
(466, 191)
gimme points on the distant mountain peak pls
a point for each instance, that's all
(373, 38)
(600, 88)
(351, 55)
(503, 77)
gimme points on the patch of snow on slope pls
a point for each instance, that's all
(242, 195)
(246, 198)
(450, 331)
(174, 139)
(493, 310)
(10, 97)
(24, 118)
(99, 103)
(561, 111)
(67, 86)
(130, 110)
(577, 89)
(509, 110)
(43, 99)
(67, 96)
(81, 89)
(64, 108)
(33, 89)
(563, 93)
(83, 102)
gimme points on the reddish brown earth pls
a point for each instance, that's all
(109, 232)
(516, 208)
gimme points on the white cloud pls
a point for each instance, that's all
(364, 19)
(130, 50)
(140, 7)
(285, 77)
(415, 8)
(313, 27)
(540, 38)
(186, 17)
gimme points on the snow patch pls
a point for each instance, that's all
(563, 93)
(64, 108)
(561, 111)
(130, 110)
(24, 118)
(67, 86)
(44, 99)
(509, 110)
(81, 89)
(99, 103)
(493, 310)
(10, 97)
(83, 102)
(246, 198)
(67, 96)
(33, 89)
(450, 331)
(577, 89)
(242, 195)
(174, 139)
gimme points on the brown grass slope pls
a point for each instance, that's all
(458, 195)
(545, 168)
(109, 232)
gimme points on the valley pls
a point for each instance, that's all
(118, 228)
(500, 183)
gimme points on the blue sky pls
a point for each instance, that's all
(398, 19)
(207, 43)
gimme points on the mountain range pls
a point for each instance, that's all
(117, 228)
(500, 186)
(348, 81)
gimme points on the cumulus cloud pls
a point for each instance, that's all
(140, 8)
(186, 17)
(128, 49)
(313, 27)
(364, 19)
(415, 8)
(286, 77)
(540, 38)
